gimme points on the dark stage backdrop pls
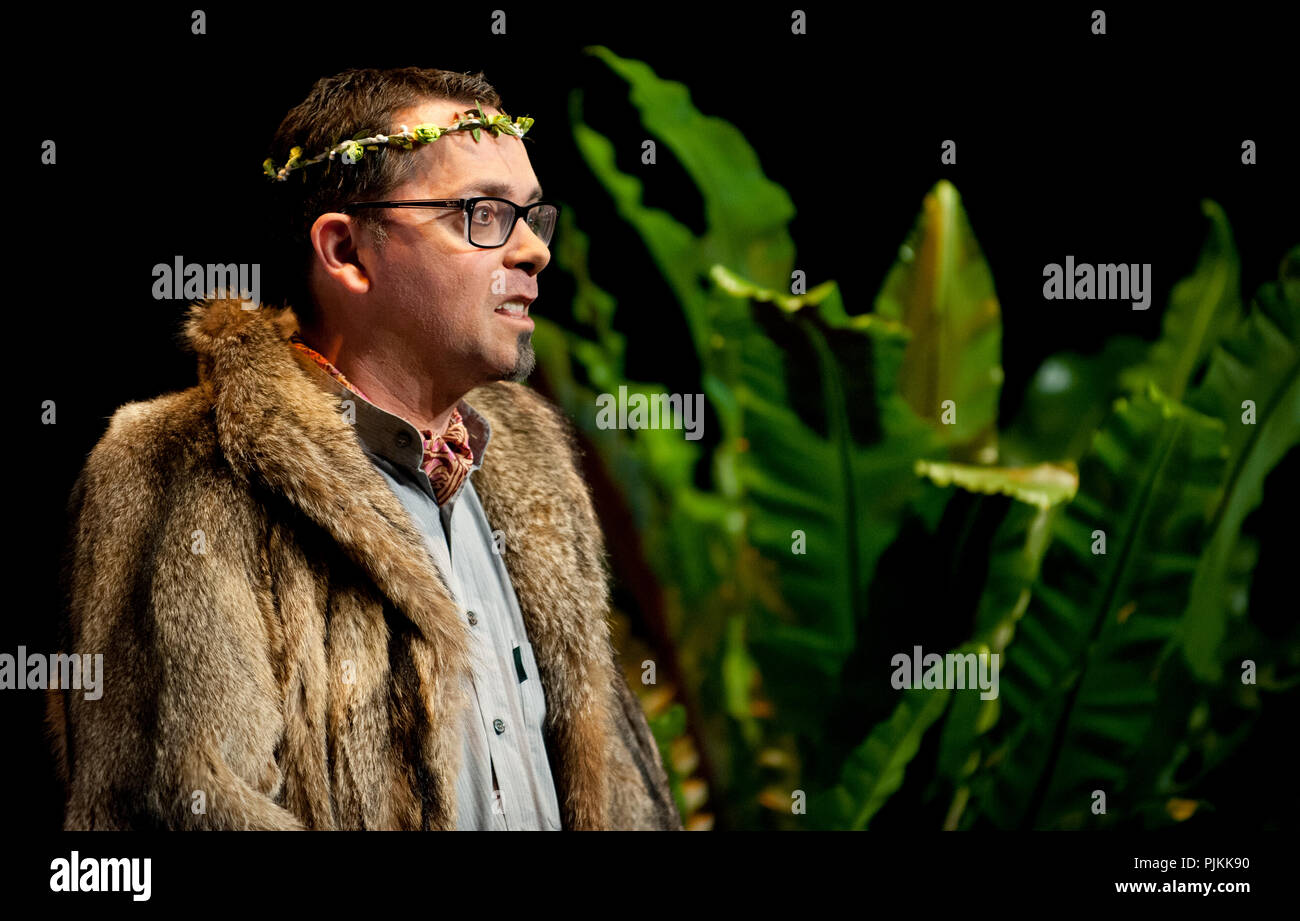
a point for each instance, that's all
(1100, 147)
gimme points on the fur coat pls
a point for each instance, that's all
(233, 554)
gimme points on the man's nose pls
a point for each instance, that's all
(527, 248)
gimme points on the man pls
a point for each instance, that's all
(353, 579)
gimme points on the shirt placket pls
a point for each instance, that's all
(500, 705)
(480, 684)
(512, 633)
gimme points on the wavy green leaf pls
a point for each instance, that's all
(1042, 485)
(1202, 308)
(1259, 364)
(747, 214)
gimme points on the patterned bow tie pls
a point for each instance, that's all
(447, 459)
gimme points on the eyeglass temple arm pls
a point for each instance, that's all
(438, 203)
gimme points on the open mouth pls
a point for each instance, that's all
(514, 309)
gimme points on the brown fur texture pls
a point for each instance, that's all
(305, 670)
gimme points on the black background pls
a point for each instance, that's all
(1101, 147)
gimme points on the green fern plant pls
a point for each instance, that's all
(1103, 651)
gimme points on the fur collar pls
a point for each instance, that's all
(278, 427)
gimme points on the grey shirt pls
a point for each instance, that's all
(505, 781)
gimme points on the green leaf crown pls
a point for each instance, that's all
(353, 150)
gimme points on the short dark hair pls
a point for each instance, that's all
(360, 99)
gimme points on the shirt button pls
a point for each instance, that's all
(403, 439)
(499, 725)
(473, 618)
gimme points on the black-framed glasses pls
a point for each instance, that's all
(488, 221)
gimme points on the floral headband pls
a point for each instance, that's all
(355, 149)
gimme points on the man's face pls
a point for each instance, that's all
(433, 287)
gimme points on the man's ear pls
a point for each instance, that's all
(334, 238)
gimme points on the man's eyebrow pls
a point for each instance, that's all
(499, 190)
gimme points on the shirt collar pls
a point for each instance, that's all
(392, 437)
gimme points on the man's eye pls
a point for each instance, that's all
(483, 214)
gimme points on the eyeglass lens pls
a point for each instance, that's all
(492, 221)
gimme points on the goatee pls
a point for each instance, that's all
(526, 361)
